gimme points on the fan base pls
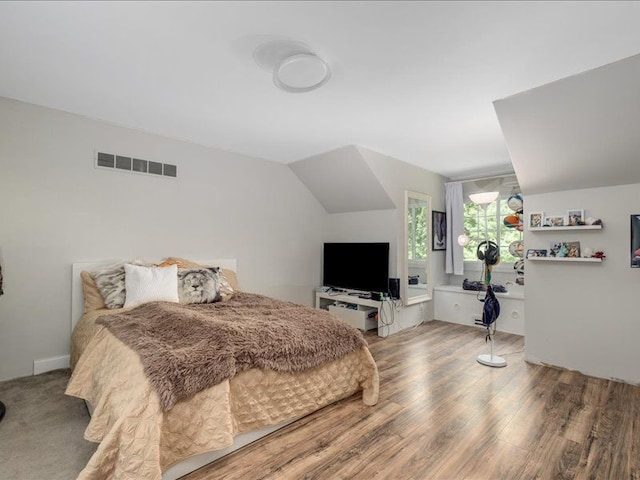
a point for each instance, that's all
(491, 360)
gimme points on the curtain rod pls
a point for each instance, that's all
(491, 177)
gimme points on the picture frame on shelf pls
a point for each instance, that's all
(555, 221)
(536, 252)
(564, 249)
(536, 219)
(438, 230)
(574, 249)
(575, 217)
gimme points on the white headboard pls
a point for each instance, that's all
(77, 298)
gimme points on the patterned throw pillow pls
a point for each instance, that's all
(226, 290)
(228, 278)
(110, 281)
(199, 285)
(92, 298)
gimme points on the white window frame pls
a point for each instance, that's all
(502, 267)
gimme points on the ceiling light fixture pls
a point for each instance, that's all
(295, 67)
(301, 73)
(484, 198)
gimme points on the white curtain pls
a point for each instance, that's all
(455, 227)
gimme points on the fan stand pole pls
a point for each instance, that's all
(489, 360)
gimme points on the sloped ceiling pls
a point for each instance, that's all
(579, 132)
(342, 181)
(413, 80)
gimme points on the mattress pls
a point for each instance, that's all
(140, 441)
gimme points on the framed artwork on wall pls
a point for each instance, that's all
(635, 241)
(438, 230)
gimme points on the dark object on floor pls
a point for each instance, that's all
(478, 286)
(2, 410)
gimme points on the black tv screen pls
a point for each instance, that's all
(356, 266)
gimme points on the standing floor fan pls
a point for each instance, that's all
(490, 313)
(488, 253)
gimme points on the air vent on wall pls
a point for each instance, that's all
(135, 165)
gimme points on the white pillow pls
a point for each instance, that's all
(150, 284)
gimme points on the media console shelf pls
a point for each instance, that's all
(357, 317)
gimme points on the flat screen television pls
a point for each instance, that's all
(356, 266)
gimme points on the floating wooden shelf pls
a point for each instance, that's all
(556, 229)
(566, 259)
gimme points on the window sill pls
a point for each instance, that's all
(417, 264)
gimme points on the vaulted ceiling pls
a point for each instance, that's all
(413, 80)
(577, 132)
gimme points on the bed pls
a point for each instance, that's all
(140, 437)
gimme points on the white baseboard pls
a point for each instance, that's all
(48, 364)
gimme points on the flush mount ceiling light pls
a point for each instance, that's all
(301, 73)
(295, 67)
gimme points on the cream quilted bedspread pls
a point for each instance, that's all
(139, 441)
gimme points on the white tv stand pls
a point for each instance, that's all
(336, 303)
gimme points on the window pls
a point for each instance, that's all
(474, 218)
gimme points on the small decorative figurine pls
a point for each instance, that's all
(515, 202)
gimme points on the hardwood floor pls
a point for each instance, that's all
(441, 415)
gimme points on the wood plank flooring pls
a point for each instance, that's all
(441, 415)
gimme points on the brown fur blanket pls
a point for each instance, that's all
(187, 348)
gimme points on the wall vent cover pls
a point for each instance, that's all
(114, 162)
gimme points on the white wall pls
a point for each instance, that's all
(388, 225)
(342, 181)
(372, 226)
(396, 177)
(560, 134)
(57, 208)
(585, 316)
